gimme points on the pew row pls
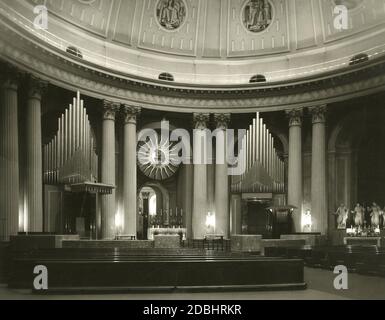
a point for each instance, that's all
(124, 270)
(368, 259)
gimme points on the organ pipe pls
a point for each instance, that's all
(265, 171)
(70, 158)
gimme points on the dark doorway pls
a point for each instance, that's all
(258, 218)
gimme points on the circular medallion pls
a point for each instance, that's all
(171, 14)
(257, 15)
(158, 160)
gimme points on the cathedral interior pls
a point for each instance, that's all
(247, 135)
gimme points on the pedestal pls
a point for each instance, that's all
(167, 241)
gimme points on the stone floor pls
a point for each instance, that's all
(320, 287)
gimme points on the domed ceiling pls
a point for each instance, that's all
(211, 41)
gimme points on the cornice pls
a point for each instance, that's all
(75, 74)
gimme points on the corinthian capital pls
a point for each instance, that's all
(10, 77)
(222, 120)
(295, 117)
(109, 110)
(201, 120)
(35, 87)
(130, 113)
(318, 114)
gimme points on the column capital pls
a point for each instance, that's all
(318, 114)
(222, 120)
(109, 110)
(200, 120)
(35, 87)
(295, 117)
(10, 78)
(130, 113)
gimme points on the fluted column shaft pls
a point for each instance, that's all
(318, 171)
(33, 158)
(295, 166)
(222, 214)
(200, 176)
(108, 169)
(9, 159)
(129, 169)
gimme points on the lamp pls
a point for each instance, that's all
(306, 221)
(118, 222)
(210, 220)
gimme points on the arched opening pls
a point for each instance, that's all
(359, 58)
(74, 51)
(147, 208)
(257, 78)
(166, 76)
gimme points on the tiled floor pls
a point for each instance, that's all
(320, 286)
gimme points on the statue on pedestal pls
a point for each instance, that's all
(375, 215)
(359, 213)
(342, 214)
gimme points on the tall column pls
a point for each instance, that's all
(33, 179)
(318, 171)
(236, 214)
(200, 158)
(222, 214)
(129, 169)
(295, 166)
(108, 168)
(9, 157)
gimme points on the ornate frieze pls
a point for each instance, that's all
(295, 116)
(367, 79)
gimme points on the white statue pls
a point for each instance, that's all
(342, 214)
(359, 214)
(375, 215)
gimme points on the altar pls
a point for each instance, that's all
(363, 241)
(182, 232)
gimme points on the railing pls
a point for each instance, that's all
(216, 244)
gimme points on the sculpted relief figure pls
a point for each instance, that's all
(342, 214)
(171, 13)
(257, 15)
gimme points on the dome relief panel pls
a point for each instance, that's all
(169, 26)
(257, 27)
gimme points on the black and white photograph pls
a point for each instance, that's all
(192, 150)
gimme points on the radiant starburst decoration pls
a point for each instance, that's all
(158, 160)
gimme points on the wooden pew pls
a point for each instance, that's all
(77, 270)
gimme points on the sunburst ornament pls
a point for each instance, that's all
(158, 160)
